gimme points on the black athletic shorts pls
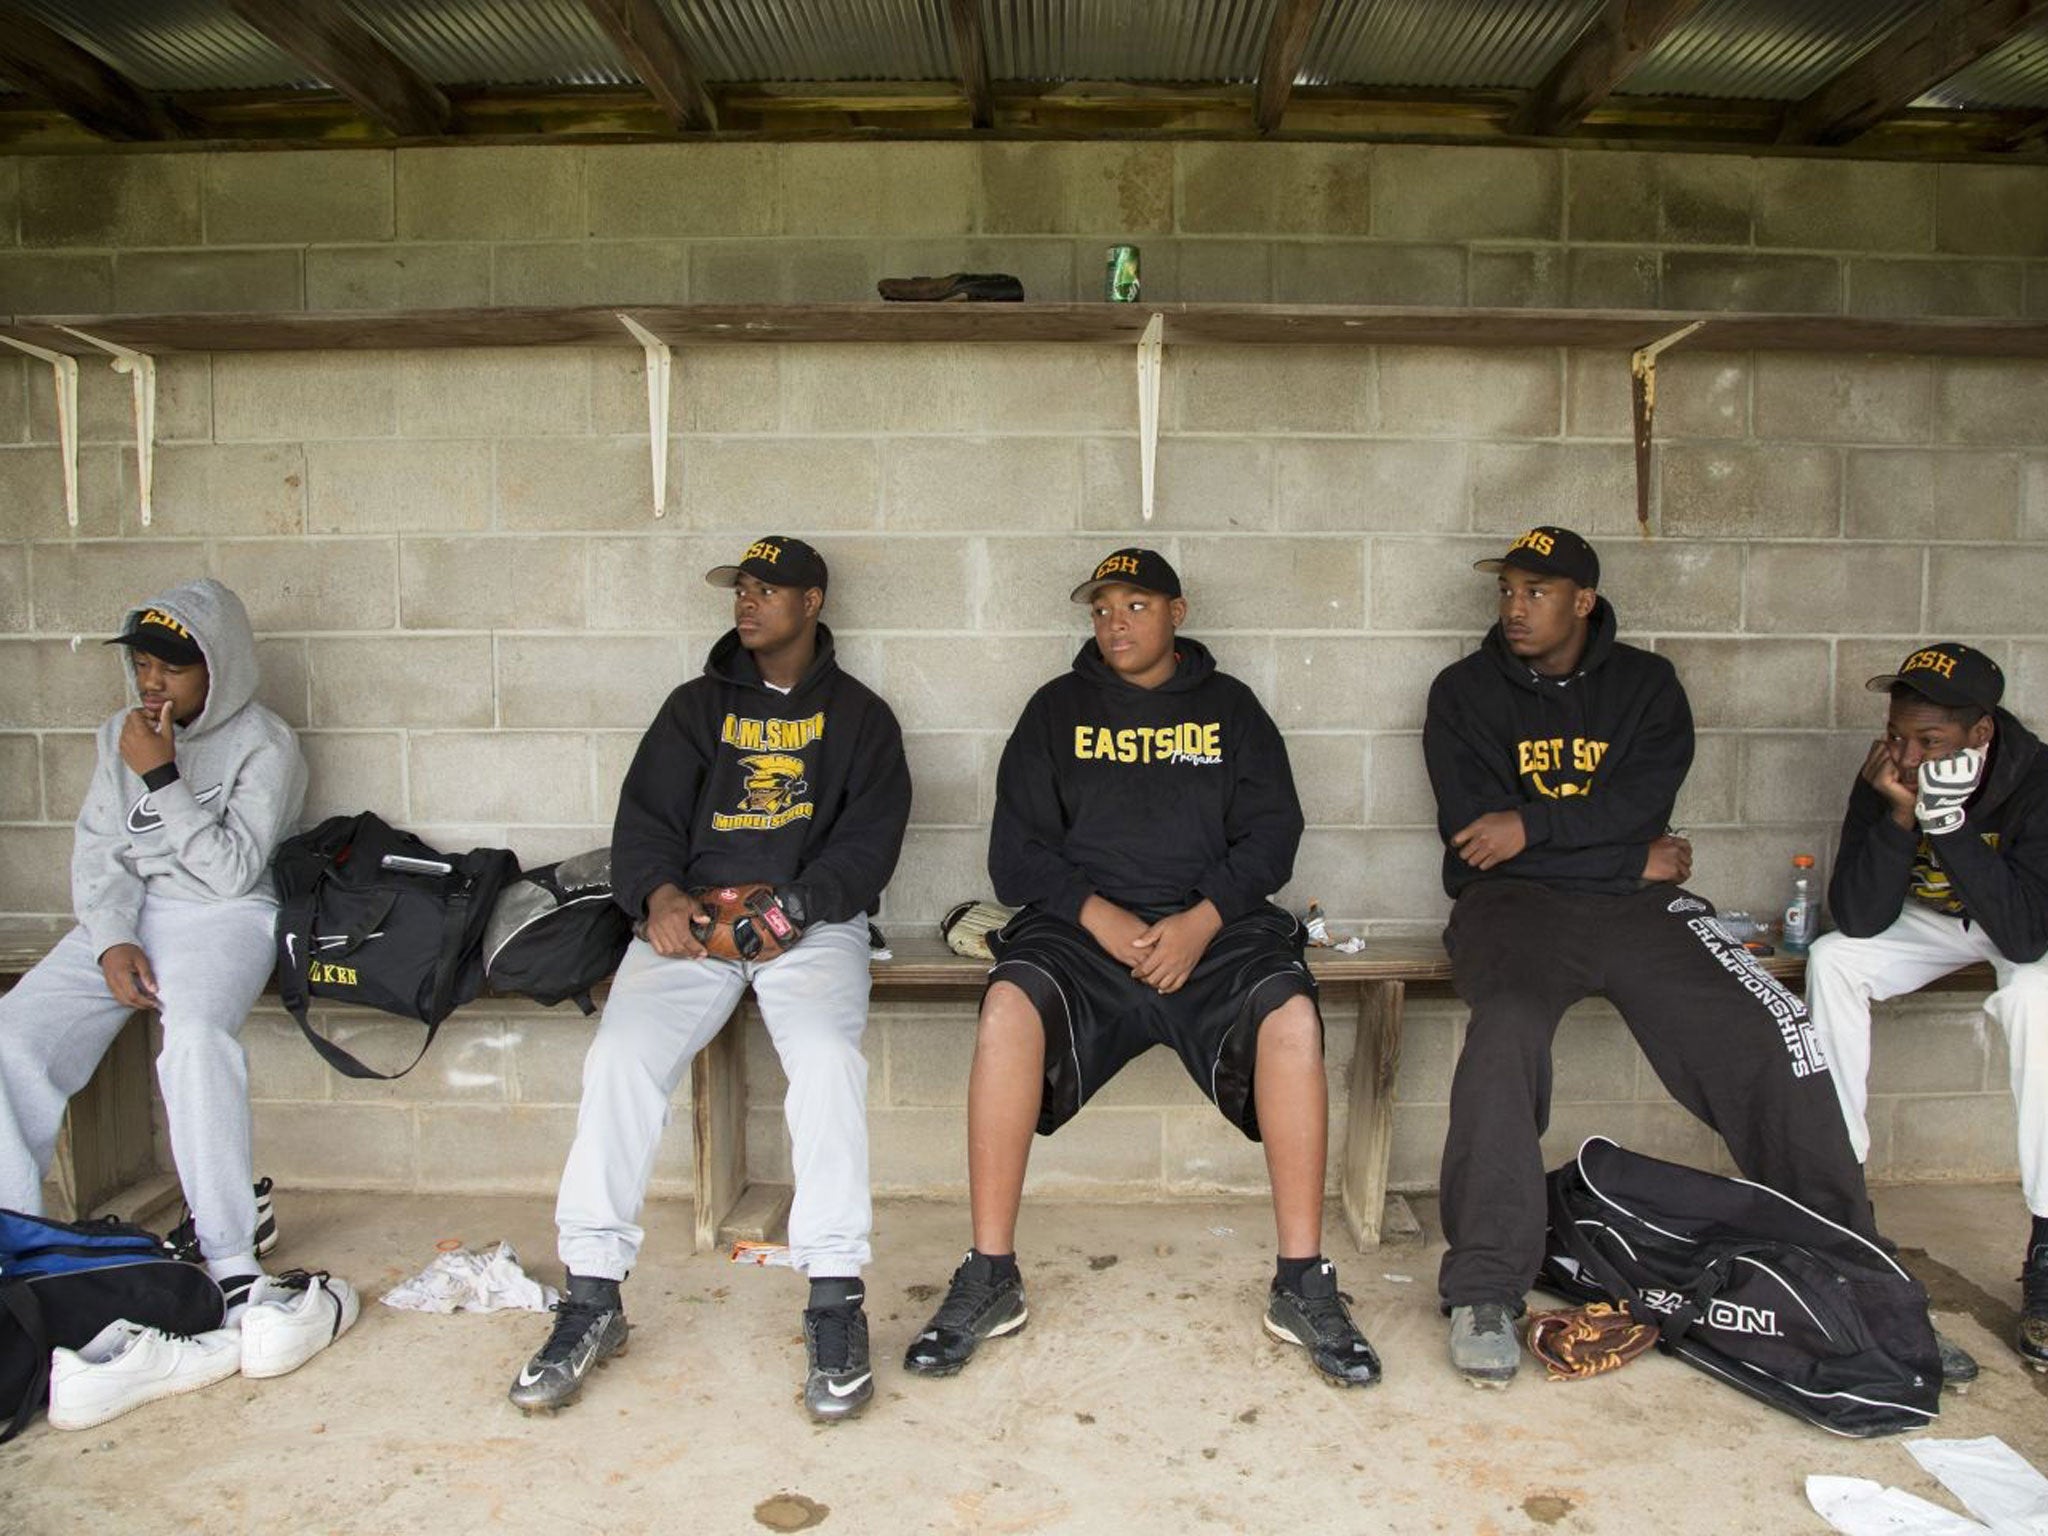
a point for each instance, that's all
(1098, 1017)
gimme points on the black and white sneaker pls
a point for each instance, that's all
(977, 1306)
(1317, 1319)
(183, 1243)
(590, 1328)
(840, 1381)
(2033, 1333)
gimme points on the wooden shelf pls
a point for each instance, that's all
(1185, 324)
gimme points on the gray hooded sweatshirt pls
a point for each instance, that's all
(209, 835)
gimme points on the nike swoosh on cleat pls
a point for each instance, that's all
(850, 1388)
(528, 1375)
(929, 1336)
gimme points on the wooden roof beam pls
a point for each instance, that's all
(81, 85)
(1617, 39)
(1933, 43)
(1280, 60)
(649, 43)
(963, 21)
(349, 57)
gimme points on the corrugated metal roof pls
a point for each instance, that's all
(1206, 40)
(1773, 50)
(2015, 75)
(496, 42)
(174, 45)
(816, 39)
(1445, 44)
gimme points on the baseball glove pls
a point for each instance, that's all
(966, 928)
(747, 922)
(1585, 1341)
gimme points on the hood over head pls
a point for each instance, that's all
(215, 618)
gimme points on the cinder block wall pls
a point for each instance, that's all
(470, 612)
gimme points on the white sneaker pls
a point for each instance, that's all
(127, 1365)
(291, 1318)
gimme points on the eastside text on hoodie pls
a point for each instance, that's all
(735, 781)
(1152, 798)
(1592, 761)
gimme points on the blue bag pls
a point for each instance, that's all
(62, 1282)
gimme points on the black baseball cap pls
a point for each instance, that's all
(776, 559)
(163, 636)
(1958, 676)
(1142, 568)
(1550, 552)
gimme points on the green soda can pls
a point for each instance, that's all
(1122, 284)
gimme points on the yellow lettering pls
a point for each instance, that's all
(1081, 735)
(1212, 740)
(763, 551)
(1931, 661)
(1534, 539)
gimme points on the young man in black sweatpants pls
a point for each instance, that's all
(1555, 753)
(1144, 813)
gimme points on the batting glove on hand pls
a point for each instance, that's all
(1945, 783)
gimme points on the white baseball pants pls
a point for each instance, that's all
(661, 1012)
(1844, 976)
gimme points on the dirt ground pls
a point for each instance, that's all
(1143, 1397)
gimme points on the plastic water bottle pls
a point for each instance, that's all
(1802, 910)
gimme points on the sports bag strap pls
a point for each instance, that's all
(21, 1301)
(1611, 1279)
(295, 929)
(454, 931)
(349, 1066)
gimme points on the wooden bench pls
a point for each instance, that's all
(106, 1154)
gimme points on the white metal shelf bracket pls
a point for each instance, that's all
(141, 370)
(659, 364)
(65, 369)
(1150, 347)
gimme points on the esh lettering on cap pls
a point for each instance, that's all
(1116, 565)
(158, 617)
(1930, 661)
(763, 551)
(1537, 540)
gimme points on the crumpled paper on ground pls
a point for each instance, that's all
(1992, 1480)
(463, 1280)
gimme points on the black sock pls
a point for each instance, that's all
(1288, 1273)
(2038, 1236)
(837, 1291)
(1001, 1266)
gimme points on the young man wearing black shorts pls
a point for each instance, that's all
(1144, 813)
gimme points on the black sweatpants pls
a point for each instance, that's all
(1727, 1040)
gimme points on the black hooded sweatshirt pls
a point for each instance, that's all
(1593, 761)
(1152, 798)
(736, 782)
(1992, 871)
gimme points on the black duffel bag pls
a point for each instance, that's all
(371, 915)
(557, 932)
(1749, 1286)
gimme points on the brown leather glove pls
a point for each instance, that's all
(747, 922)
(1585, 1341)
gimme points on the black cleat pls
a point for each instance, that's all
(977, 1307)
(1484, 1348)
(590, 1327)
(2033, 1334)
(1319, 1322)
(841, 1381)
(1958, 1365)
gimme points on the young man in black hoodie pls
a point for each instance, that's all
(1556, 754)
(1144, 813)
(1944, 862)
(775, 767)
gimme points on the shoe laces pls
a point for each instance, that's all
(1489, 1317)
(1327, 1314)
(966, 1296)
(833, 1329)
(573, 1319)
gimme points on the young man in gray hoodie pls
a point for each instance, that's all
(170, 877)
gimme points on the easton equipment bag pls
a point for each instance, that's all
(371, 915)
(1749, 1286)
(62, 1282)
(556, 932)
